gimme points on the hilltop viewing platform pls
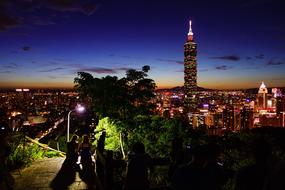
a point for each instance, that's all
(40, 174)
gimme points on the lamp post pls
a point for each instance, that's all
(79, 108)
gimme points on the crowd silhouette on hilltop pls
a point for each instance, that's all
(198, 167)
(194, 168)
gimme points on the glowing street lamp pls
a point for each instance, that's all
(79, 108)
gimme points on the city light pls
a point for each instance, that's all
(80, 109)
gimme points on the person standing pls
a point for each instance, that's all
(137, 169)
(85, 150)
(72, 151)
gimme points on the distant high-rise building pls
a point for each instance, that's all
(262, 97)
(280, 105)
(246, 118)
(190, 73)
(229, 118)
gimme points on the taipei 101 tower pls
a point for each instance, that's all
(190, 73)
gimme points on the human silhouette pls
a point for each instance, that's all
(85, 150)
(6, 179)
(109, 170)
(72, 151)
(191, 176)
(100, 151)
(255, 176)
(137, 168)
(214, 173)
(277, 176)
(87, 172)
(64, 178)
(202, 173)
(178, 156)
(67, 173)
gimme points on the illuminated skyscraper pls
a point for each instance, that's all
(262, 97)
(190, 73)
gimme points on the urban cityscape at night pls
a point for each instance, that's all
(142, 95)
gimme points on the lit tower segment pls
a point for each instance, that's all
(190, 73)
(262, 96)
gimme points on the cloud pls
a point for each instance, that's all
(26, 48)
(251, 68)
(6, 72)
(13, 12)
(227, 57)
(170, 61)
(52, 77)
(7, 21)
(41, 22)
(123, 68)
(57, 77)
(101, 70)
(51, 70)
(11, 66)
(63, 60)
(203, 70)
(53, 63)
(260, 56)
(124, 56)
(271, 62)
(86, 7)
(223, 67)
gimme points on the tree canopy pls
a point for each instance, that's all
(118, 98)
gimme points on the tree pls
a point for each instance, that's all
(119, 99)
(112, 141)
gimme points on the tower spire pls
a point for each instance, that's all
(190, 28)
(190, 33)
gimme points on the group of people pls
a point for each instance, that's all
(74, 150)
(203, 172)
(198, 171)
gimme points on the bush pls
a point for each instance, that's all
(24, 152)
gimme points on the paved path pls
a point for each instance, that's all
(42, 172)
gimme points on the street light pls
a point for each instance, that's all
(79, 108)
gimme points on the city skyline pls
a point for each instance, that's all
(45, 43)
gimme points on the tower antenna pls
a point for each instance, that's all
(190, 33)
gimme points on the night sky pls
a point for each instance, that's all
(44, 43)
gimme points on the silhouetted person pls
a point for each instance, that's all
(255, 176)
(178, 156)
(6, 179)
(137, 169)
(191, 176)
(277, 177)
(87, 172)
(215, 176)
(85, 150)
(109, 170)
(64, 178)
(72, 151)
(100, 150)
(101, 142)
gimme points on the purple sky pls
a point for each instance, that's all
(44, 43)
